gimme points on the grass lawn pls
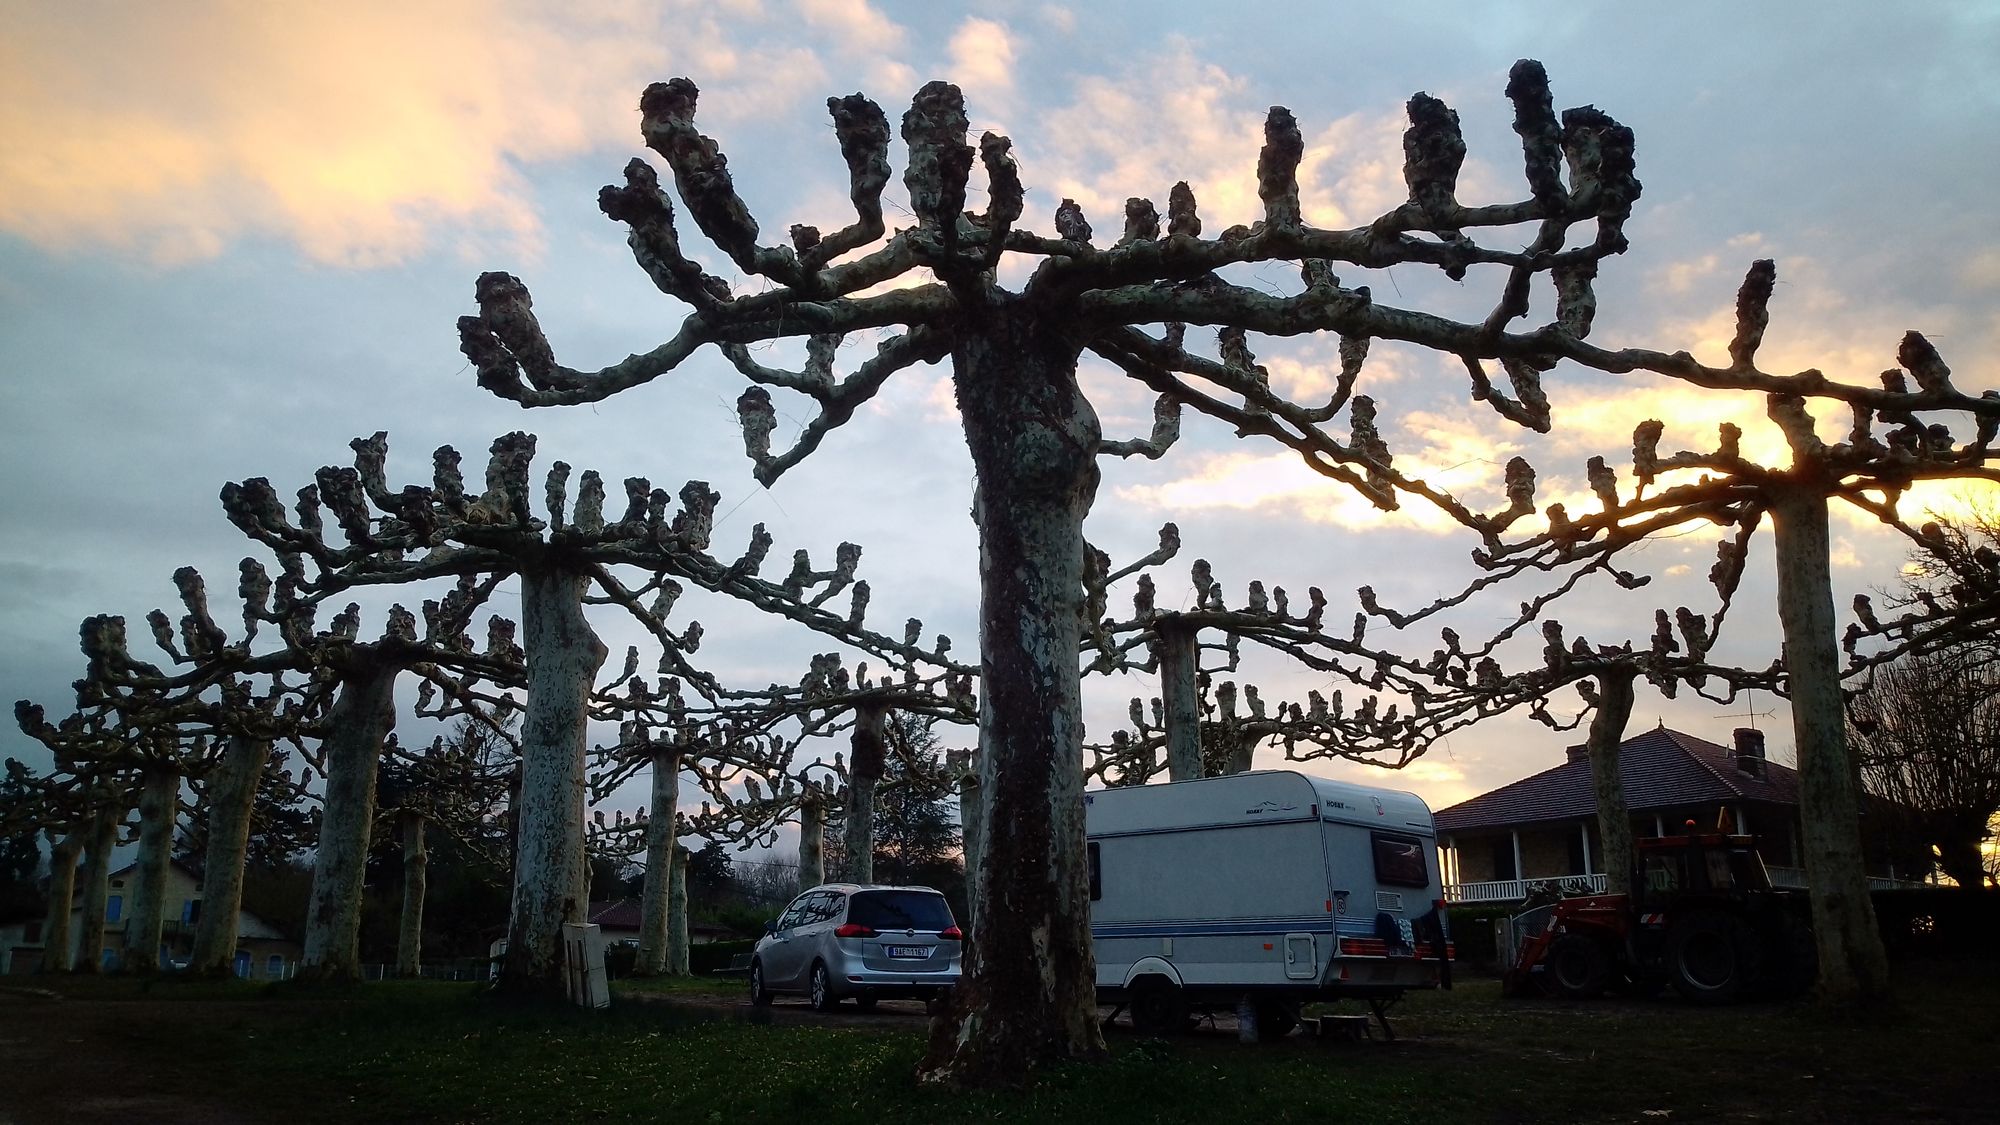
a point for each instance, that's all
(441, 1052)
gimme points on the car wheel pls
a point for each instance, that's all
(759, 995)
(1576, 967)
(822, 995)
(1711, 957)
(1158, 1008)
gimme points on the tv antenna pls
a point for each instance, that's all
(1749, 711)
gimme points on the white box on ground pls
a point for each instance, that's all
(583, 965)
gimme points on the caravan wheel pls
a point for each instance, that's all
(1158, 1008)
(1275, 1019)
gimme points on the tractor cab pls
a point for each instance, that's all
(1710, 864)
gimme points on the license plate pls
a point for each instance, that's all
(910, 952)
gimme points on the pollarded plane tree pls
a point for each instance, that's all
(69, 808)
(1034, 437)
(455, 785)
(729, 740)
(340, 719)
(148, 744)
(1460, 684)
(746, 735)
(655, 734)
(565, 561)
(1900, 436)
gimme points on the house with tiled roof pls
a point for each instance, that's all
(1544, 828)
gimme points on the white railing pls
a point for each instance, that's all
(1515, 890)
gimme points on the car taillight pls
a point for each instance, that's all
(951, 933)
(854, 929)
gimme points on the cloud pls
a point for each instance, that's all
(982, 61)
(856, 25)
(361, 132)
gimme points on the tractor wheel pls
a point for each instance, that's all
(1576, 967)
(1158, 1008)
(1711, 957)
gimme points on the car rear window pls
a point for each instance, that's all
(899, 910)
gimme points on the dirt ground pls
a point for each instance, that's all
(88, 1062)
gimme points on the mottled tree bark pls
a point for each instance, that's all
(1614, 822)
(416, 871)
(159, 801)
(864, 772)
(1030, 995)
(1180, 699)
(232, 794)
(971, 825)
(362, 718)
(660, 848)
(552, 871)
(1853, 965)
(97, 847)
(677, 913)
(812, 844)
(62, 894)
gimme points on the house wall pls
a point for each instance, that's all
(1550, 851)
(177, 932)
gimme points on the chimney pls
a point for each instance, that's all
(1580, 752)
(1750, 751)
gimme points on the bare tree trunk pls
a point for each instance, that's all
(416, 872)
(660, 828)
(864, 772)
(159, 801)
(552, 873)
(1180, 699)
(362, 717)
(1030, 997)
(232, 794)
(1852, 963)
(62, 893)
(1614, 822)
(97, 847)
(812, 844)
(971, 820)
(677, 913)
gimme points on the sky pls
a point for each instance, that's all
(235, 236)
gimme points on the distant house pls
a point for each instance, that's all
(262, 951)
(620, 921)
(1544, 828)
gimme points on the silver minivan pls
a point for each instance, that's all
(865, 941)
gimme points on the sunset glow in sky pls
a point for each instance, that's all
(234, 236)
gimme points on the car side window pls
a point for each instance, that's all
(792, 913)
(828, 906)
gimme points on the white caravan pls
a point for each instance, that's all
(1273, 887)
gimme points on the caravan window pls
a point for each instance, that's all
(1096, 874)
(1399, 862)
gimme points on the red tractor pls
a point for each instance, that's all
(1701, 916)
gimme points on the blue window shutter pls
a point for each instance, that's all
(114, 906)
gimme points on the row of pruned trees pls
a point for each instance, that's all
(934, 291)
(213, 712)
(1164, 303)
